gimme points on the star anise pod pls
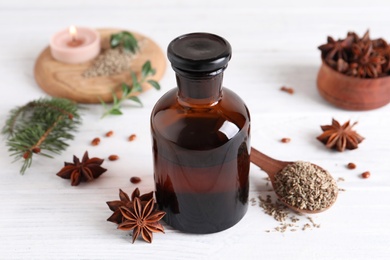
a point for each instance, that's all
(125, 201)
(367, 64)
(340, 137)
(334, 50)
(382, 48)
(340, 65)
(86, 170)
(142, 219)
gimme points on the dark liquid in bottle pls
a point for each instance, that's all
(201, 163)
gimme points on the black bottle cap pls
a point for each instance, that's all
(199, 52)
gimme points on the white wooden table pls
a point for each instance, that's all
(274, 44)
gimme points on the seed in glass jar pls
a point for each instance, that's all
(285, 140)
(113, 157)
(95, 141)
(132, 137)
(135, 180)
(351, 166)
(109, 133)
(366, 175)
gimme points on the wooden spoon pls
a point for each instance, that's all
(272, 167)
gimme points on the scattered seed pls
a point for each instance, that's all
(340, 189)
(95, 141)
(351, 166)
(340, 179)
(109, 133)
(288, 90)
(253, 201)
(132, 137)
(113, 157)
(285, 140)
(135, 180)
(366, 175)
(287, 219)
(306, 226)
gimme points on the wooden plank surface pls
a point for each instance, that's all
(274, 44)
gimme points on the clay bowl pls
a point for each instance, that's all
(352, 93)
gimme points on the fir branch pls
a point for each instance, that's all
(128, 91)
(39, 127)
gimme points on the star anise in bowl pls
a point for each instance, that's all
(357, 57)
(355, 72)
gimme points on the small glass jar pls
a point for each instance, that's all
(201, 140)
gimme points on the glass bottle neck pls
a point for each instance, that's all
(199, 89)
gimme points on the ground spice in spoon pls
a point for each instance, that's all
(305, 186)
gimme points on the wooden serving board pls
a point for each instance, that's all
(66, 80)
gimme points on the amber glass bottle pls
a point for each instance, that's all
(201, 135)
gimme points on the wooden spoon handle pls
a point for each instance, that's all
(266, 163)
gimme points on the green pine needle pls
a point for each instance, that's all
(40, 126)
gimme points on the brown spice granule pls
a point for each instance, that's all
(113, 157)
(109, 133)
(351, 166)
(285, 140)
(306, 226)
(288, 90)
(253, 201)
(340, 179)
(95, 141)
(305, 186)
(294, 219)
(110, 62)
(366, 175)
(135, 179)
(287, 219)
(340, 189)
(132, 137)
(277, 210)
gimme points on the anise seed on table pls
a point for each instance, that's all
(340, 137)
(87, 169)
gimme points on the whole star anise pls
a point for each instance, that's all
(125, 201)
(366, 64)
(142, 219)
(86, 170)
(357, 56)
(340, 137)
(334, 50)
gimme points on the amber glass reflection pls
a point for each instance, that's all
(201, 158)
